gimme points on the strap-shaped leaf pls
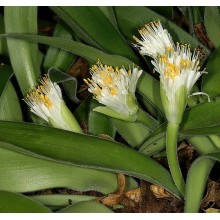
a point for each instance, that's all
(196, 180)
(60, 200)
(86, 151)
(210, 81)
(86, 207)
(212, 22)
(95, 28)
(23, 55)
(17, 203)
(21, 172)
(10, 108)
(56, 57)
(99, 123)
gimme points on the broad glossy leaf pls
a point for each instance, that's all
(99, 123)
(212, 24)
(95, 28)
(23, 55)
(130, 19)
(87, 207)
(210, 81)
(196, 180)
(57, 57)
(17, 203)
(20, 172)
(9, 104)
(85, 151)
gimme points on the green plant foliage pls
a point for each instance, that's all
(56, 57)
(3, 43)
(9, 103)
(99, 123)
(210, 81)
(17, 203)
(86, 207)
(27, 71)
(68, 82)
(212, 22)
(196, 180)
(48, 174)
(37, 157)
(95, 28)
(73, 148)
(60, 201)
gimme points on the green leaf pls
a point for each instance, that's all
(95, 28)
(9, 104)
(133, 133)
(68, 82)
(16, 203)
(212, 24)
(99, 123)
(3, 43)
(82, 112)
(57, 57)
(23, 55)
(73, 148)
(10, 108)
(196, 180)
(22, 171)
(86, 207)
(193, 15)
(108, 11)
(130, 19)
(59, 200)
(149, 88)
(202, 119)
(166, 11)
(210, 81)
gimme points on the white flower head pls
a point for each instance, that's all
(114, 87)
(154, 41)
(179, 70)
(46, 102)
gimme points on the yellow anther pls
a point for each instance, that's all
(113, 91)
(108, 80)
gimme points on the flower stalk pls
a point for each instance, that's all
(179, 70)
(172, 157)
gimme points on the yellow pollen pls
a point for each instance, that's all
(45, 99)
(113, 91)
(185, 63)
(108, 80)
(171, 71)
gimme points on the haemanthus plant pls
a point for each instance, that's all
(150, 112)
